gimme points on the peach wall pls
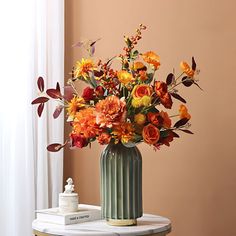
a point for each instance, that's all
(193, 182)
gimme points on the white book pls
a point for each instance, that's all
(84, 214)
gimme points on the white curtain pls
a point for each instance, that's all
(31, 44)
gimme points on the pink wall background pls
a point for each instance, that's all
(194, 181)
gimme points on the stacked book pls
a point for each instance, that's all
(84, 214)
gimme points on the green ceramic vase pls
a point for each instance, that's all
(121, 184)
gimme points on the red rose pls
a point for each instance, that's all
(88, 94)
(78, 141)
(99, 91)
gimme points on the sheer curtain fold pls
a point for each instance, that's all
(31, 45)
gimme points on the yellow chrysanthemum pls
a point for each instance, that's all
(123, 132)
(146, 101)
(83, 67)
(140, 118)
(136, 102)
(74, 105)
(124, 77)
(152, 58)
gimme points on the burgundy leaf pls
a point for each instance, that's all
(40, 109)
(186, 131)
(175, 135)
(58, 88)
(55, 147)
(187, 81)
(170, 78)
(78, 44)
(53, 93)
(177, 96)
(198, 85)
(68, 93)
(98, 73)
(92, 50)
(57, 111)
(40, 83)
(194, 65)
(40, 100)
(181, 122)
(94, 42)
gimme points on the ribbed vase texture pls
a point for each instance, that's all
(121, 182)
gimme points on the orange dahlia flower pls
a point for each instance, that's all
(85, 123)
(123, 132)
(152, 58)
(110, 111)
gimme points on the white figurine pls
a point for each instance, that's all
(69, 188)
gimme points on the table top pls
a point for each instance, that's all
(146, 225)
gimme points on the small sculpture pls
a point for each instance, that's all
(69, 188)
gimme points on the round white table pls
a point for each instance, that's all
(146, 225)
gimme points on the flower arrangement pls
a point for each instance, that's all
(128, 105)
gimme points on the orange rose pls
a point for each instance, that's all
(186, 69)
(151, 134)
(141, 90)
(152, 58)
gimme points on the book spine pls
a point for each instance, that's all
(82, 218)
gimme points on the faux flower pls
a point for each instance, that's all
(166, 123)
(162, 92)
(160, 88)
(110, 111)
(85, 123)
(139, 66)
(187, 69)
(125, 77)
(154, 118)
(83, 67)
(140, 119)
(78, 140)
(141, 90)
(143, 75)
(166, 101)
(183, 112)
(151, 134)
(123, 132)
(152, 58)
(75, 105)
(88, 93)
(104, 138)
(99, 91)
